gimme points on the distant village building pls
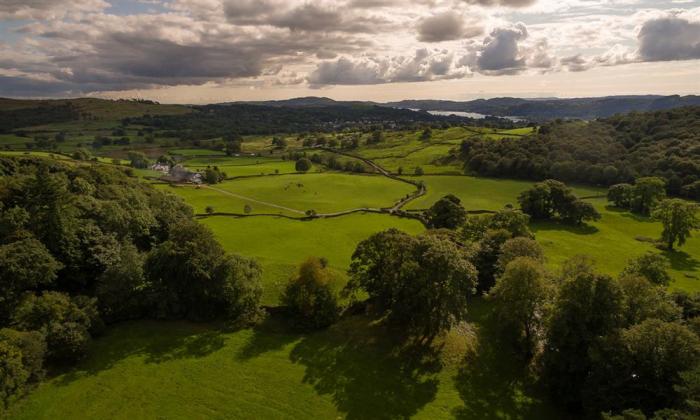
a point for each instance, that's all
(160, 167)
(179, 173)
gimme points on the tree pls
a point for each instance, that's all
(121, 287)
(426, 134)
(588, 306)
(640, 367)
(418, 171)
(233, 147)
(302, 165)
(646, 194)
(420, 282)
(679, 219)
(621, 195)
(579, 211)
(309, 296)
(519, 247)
(195, 278)
(537, 201)
(13, 376)
(645, 300)
(247, 209)
(25, 265)
(521, 295)
(138, 160)
(486, 259)
(446, 213)
(651, 266)
(66, 323)
(213, 175)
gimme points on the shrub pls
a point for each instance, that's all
(309, 296)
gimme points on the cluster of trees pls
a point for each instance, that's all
(640, 197)
(42, 114)
(213, 175)
(648, 197)
(81, 246)
(212, 121)
(602, 344)
(332, 162)
(603, 152)
(550, 199)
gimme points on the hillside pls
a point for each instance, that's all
(601, 152)
(547, 109)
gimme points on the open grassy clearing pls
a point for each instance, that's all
(323, 192)
(613, 240)
(355, 369)
(245, 166)
(280, 244)
(480, 193)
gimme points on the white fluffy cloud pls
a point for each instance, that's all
(424, 65)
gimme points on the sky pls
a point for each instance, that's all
(207, 51)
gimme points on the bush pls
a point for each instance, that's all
(309, 296)
(13, 376)
(302, 165)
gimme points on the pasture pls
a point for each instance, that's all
(280, 244)
(356, 369)
(322, 192)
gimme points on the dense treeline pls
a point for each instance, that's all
(617, 347)
(85, 245)
(603, 152)
(218, 120)
(12, 119)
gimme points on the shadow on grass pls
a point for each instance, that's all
(368, 371)
(493, 381)
(148, 339)
(272, 334)
(544, 226)
(681, 261)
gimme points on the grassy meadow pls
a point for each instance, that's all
(356, 369)
(280, 244)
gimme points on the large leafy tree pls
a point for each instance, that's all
(588, 306)
(647, 192)
(521, 296)
(421, 282)
(640, 367)
(446, 213)
(25, 265)
(195, 278)
(679, 219)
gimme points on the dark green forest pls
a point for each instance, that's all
(602, 152)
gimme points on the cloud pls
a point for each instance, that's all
(506, 3)
(669, 38)
(424, 65)
(45, 9)
(576, 63)
(445, 27)
(500, 53)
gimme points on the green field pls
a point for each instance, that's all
(355, 369)
(280, 244)
(323, 192)
(480, 193)
(245, 166)
(614, 240)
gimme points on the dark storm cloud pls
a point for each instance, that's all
(668, 39)
(445, 27)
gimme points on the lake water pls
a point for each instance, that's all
(474, 115)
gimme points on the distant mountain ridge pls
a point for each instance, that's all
(537, 109)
